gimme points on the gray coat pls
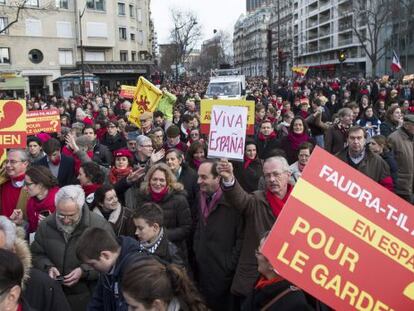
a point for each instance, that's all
(50, 249)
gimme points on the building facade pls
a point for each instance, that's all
(116, 39)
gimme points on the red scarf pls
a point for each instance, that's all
(268, 137)
(116, 174)
(277, 204)
(304, 114)
(158, 197)
(263, 282)
(91, 188)
(35, 207)
(197, 163)
(248, 161)
(296, 139)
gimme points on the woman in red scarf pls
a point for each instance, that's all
(90, 178)
(160, 186)
(41, 186)
(249, 171)
(298, 134)
(196, 154)
(122, 165)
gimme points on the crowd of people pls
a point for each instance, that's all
(108, 216)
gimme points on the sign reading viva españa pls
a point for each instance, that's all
(12, 124)
(345, 239)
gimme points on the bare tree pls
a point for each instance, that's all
(216, 51)
(369, 19)
(185, 34)
(15, 10)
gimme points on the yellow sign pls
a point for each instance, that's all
(146, 98)
(127, 91)
(12, 123)
(207, 106)
(300, 70)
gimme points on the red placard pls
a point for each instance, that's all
(47, 121)
(345, 239)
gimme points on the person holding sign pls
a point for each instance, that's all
(259, 209)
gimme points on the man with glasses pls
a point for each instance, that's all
(55, 243)
(13, 200)
(259, 209)
(113, 138)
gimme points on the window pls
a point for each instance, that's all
(122, 33)
(3, 23)
(96, 30)
(33, 27)
(4, 56)
(133, 56)
(140, 37)
(131, 11)
(64, 29)
(2, 1)
(94, 56)
(35, 56)
(65, 57)
(123, 56)
(62, 4)
(132, 35)
(98, 5)
(121, 8)
(32, 2)
(139, 15)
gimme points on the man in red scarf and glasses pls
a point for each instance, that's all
(259, 209)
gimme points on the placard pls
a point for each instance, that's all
(127, 91)
(47, 121)
(345, 239)
(12, 124)
(227, 132)
(207, 105)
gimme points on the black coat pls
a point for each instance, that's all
(292, 301)
(248, 177)
(114, 142)
(102, 155)
(188, 178)
(66, 174)
(265, 147)
(169, 252)
(217, 245)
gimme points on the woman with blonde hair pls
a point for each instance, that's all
(160, 186)
(148, 284)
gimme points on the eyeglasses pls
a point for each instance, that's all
(276, 175)
(146, 146)
(69, 217)
(28, 184)
(144, 120)
(111, 126)
(13, 162)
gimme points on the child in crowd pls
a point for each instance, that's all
(148, 220)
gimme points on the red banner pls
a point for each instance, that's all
(47, 121)
(345, 239)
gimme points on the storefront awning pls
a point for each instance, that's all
(16, 83)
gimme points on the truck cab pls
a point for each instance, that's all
(226, 84)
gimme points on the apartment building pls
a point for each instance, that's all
(116, 36)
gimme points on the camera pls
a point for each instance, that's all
(45, 213)
(60, 278)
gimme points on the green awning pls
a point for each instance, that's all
(17, 83)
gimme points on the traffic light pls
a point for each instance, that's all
(342, 56)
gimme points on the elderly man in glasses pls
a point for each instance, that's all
(13, 200)
(55, 242)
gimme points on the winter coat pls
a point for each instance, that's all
(107, 294)
(188, 178)
(265, 147)
(121, 221)
(39, 290)
(403, 147)
(293, 300)
(102, 155)
(248, 177)
(217, 245)
(335, 141)
(66, 174)
(169, 252)
(50, 249)
(388, 156)
(177, 216)
(387, 127)
(114, 142)
(372, 165)
(258, 218)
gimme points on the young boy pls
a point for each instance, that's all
(148, 220)
(109, 256)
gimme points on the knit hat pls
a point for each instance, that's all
(173, 131)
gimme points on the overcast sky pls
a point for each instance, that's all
(212, 14)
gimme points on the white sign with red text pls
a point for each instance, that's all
(227, 132)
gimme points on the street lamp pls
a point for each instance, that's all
(81, 50)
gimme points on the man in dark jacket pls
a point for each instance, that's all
(55, 242)
(101, 153)
(61, 166)
(362, 159)
(109, 256)
(217, 240)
